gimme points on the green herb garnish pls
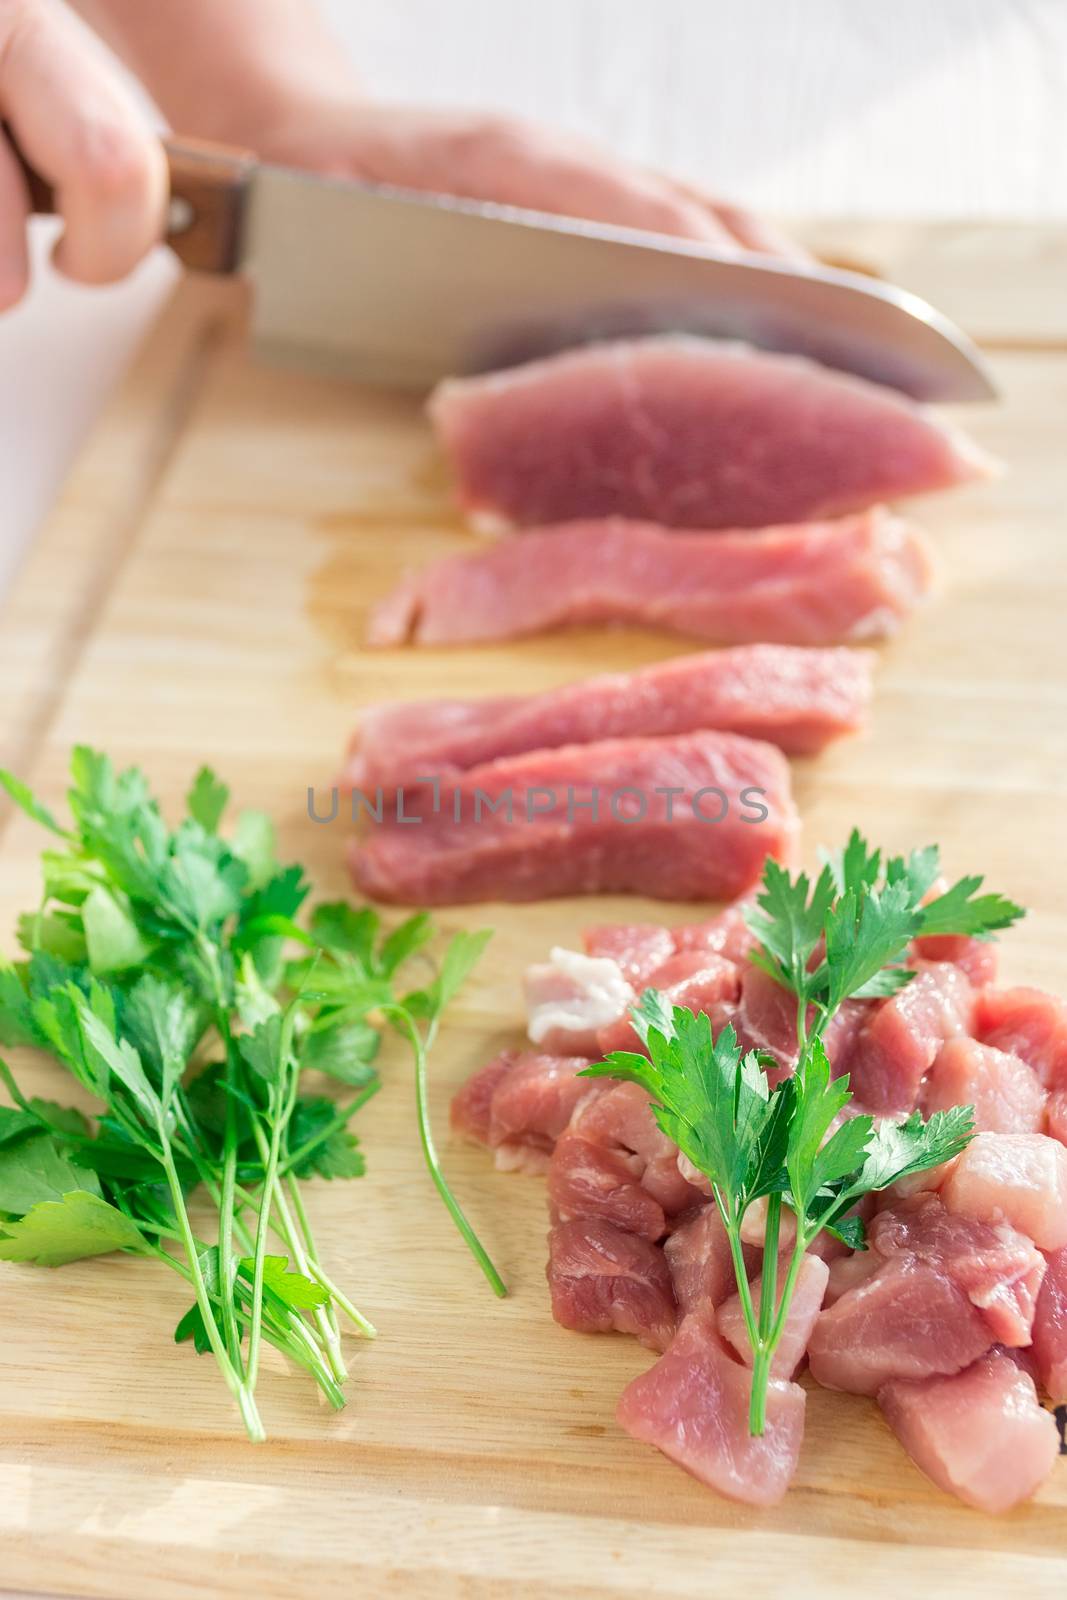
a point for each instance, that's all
(842, 937)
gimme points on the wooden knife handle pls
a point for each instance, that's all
(208, 188)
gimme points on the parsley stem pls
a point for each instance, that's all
(367, 1328)
(283, 1098)
(336, 1123)
(227, 1264)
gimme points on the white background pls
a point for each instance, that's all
(872, 107)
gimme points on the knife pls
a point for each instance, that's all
(395, 287)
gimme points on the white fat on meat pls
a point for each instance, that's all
(571, 996)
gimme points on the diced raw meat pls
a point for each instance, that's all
(637, 948)
(532, 1105)
(901, 1040)
(620, 1118)
(687, 431)
(1050, 1329)
(588, 1180)
(693, 1405)
(698, 982)
(570, 997)
(848, 1272)
(975, 957)
(1056, 1115)
(1004, 1091)
(906, 1321)
(818, 583)
(698, 1254)
(727, 935)
(980, 1435)
(472, 1105)
(603, 1280)
(1027, 1023)
(655, 829)
(766, 1020)
(800, 1320)
(1019, 1178)
(800, 700)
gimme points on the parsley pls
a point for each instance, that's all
(156, 975)
(842, 936)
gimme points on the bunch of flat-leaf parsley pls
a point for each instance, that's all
(845, 936)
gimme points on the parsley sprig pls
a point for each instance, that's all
(157, 974)
(843, 936)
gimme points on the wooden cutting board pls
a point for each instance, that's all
(200, 594)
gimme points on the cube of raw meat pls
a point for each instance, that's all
(701, 1265)
(1056, 1115)
(1028, 1023)
(803, 1311)
(589, 1180)
(532, 1105)
(471, 1108)
(902, 1038)
(687, 431)
(602, 1280)
(766, 1020)
(727, 935)
(620, 1118)
(700, 983)
(637, 948)
(980, 1435)
(848, 1272)
(571, 997)
(1019, 1178)
(1006, 1094)
(977, 958)
(693, 1405)
(1050, 1329)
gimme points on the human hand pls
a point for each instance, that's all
(80, 128)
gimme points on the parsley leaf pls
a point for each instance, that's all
(54, 1232)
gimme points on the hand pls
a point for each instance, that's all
(80, 128)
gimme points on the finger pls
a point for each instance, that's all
(14, 214)
(745, 228)
(78, 126)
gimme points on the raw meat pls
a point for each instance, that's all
(571, 997)
(693, 1405)
(520, 1103)
(977, 958)
(803, 1312)
(620, 1118)
(698, 1254)
(1019, 1178)
(818, 583)
(901, 1040)
(587, 1179)
(690, 432)
(1005, 1093)
(602, 1280)
(637, 948)
(1029, 1023)
(726, 935)
(472, 1105)
(1056, 1115)
(1050, 1328)
(654, 830)
(980, 1435)
(698, 982)
(800, 700)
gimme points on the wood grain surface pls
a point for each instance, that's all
(200, 595)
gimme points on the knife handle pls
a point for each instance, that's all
(208, 188)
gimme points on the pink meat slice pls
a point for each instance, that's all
(637, 948)
(699, 983)
(603, 1280)
(820, 583)
(1006, 1094)
(693, 1405)
(803, 1311)
(589, 1180)
(552, 843)
(700, 1261)
(688, 432)
(1027, 1023)
(620, 1118)
(1018, 1178)
(1050, 1328)
(980, 1435)
(800, 700)
(901, 1040)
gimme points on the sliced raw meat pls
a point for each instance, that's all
(800, 700)
(980, 1435)
(700, 983)
(571, 997)
(472, 1105)
(588, 1180)
(637, 948)
(977, 958)
(1050, 1329)
(803, 1310)
(693, 1405)
(620, 1118)
(1027, 1023)
(1005, 1093)
(901, 1040)
(603, 1280)
(623, 816)
(1018, 1178)
(532, 1105)
(698, 1254)
(689, 432)
(818, 583)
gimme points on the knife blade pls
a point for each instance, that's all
(395, 287)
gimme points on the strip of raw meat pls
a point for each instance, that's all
(900, 1042)
(800, 700)
(622, 816)
(571, 997)
(1005, 1093)
(1050, 1329)
(603, 1280)
(800, 1319)
(1029, 1023)
(689, 432)
(980, 1435)
(1019, 1178)
(820, 583)
(693, 1405)
(519, 1104)
(588, 1180)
